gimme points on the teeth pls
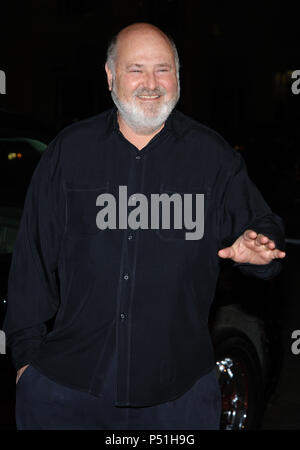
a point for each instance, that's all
(148, 96)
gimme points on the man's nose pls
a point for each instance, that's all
(150, 80)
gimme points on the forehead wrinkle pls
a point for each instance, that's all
(163, 64)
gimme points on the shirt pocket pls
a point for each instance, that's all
(82, 209)
(186, 214)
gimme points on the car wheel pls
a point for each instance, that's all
(240, 378)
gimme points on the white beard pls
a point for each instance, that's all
(140, 121)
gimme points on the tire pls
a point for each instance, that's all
(240, 377)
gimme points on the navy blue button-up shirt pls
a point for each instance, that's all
(144, 293)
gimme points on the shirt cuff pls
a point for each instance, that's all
(262, 271)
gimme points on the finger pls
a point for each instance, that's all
(249, 235)
(279, 254)
(261, 239)
(273, 254)
(271, 245)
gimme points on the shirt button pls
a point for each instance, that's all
(122, 316)
(130, 237)
(126, 276)
(138, 157)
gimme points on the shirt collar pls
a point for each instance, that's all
(172, 125)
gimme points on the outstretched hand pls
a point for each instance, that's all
(252, 248)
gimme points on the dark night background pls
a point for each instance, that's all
(236, 64)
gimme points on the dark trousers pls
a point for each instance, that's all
(44, 404)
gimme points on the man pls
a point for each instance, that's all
(130, 346)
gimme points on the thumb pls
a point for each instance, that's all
(226, 252)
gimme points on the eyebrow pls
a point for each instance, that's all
(163, 65)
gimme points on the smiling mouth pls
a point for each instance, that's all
(148, 97)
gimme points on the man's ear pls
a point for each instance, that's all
(109, 76)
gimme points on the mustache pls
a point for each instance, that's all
(145, 91)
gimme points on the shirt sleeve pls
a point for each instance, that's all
(243, 207)
(33, 294)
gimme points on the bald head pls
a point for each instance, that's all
(139, 34)
(140, 28)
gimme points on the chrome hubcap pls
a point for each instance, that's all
(233, 382)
